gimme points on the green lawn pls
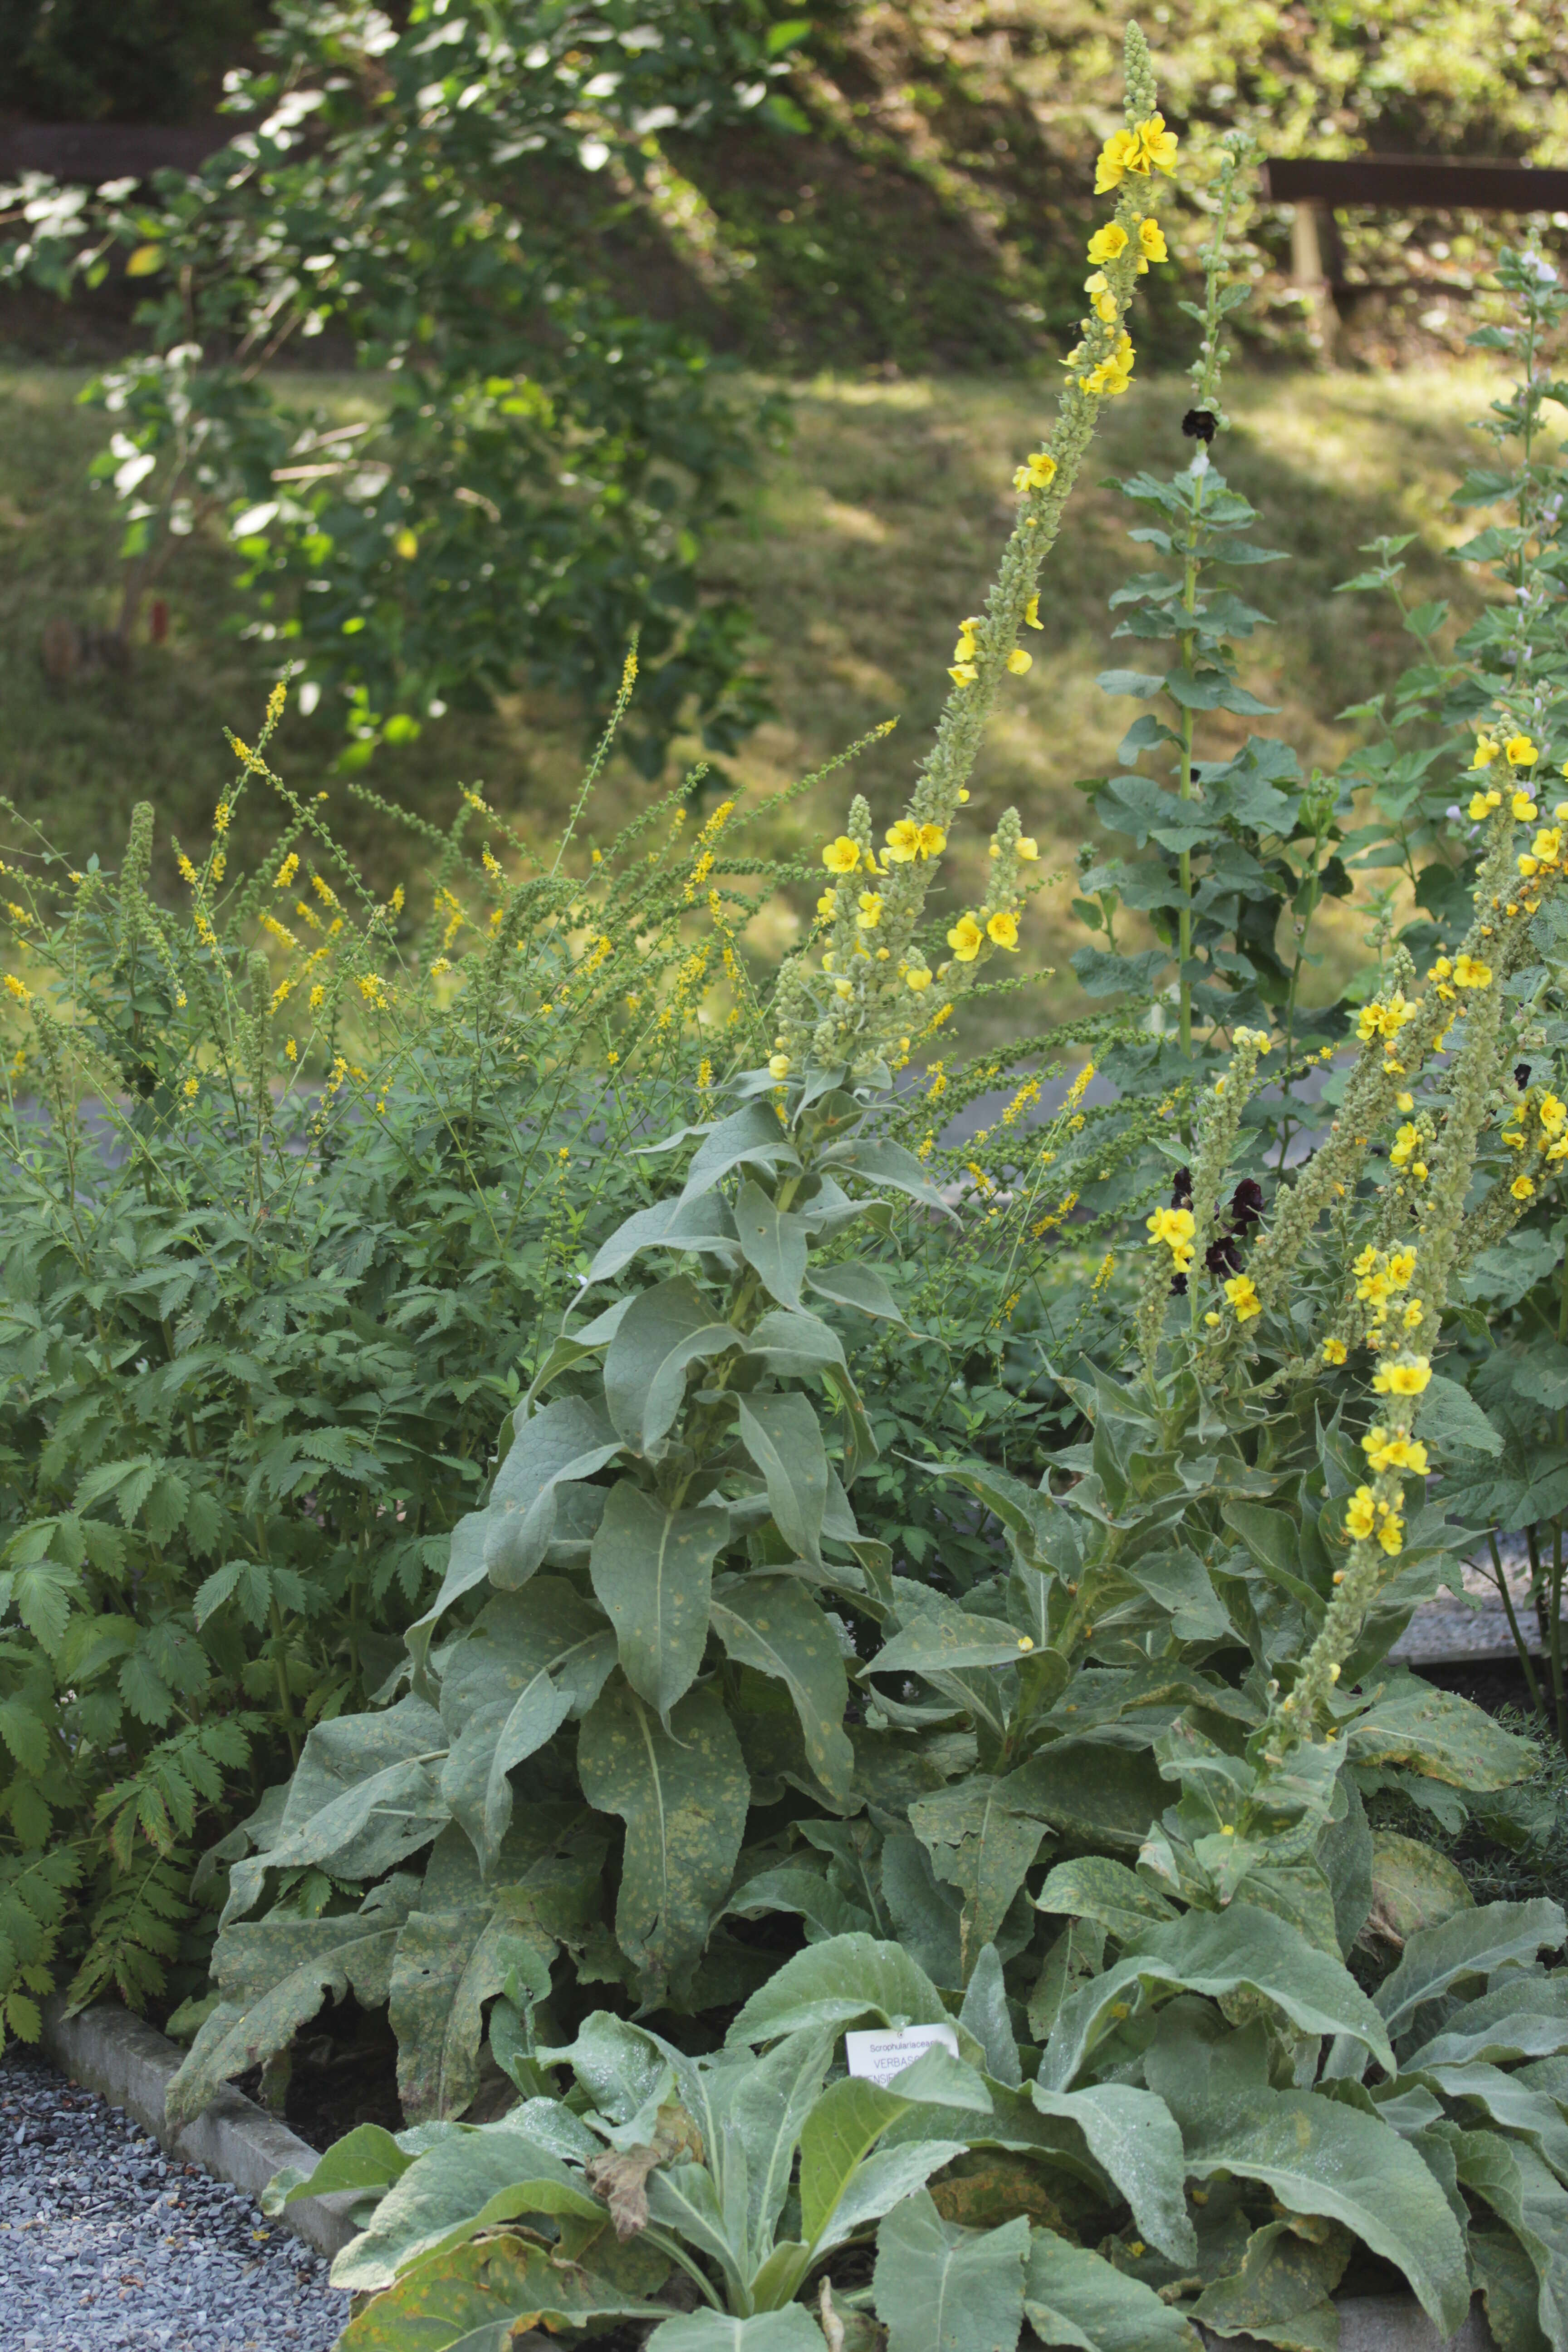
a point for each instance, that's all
(857, 549)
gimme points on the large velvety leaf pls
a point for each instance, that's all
(652, 1572)
(837, 2185)
(1441, 1734)
(1133, 2138)
(773, 1241)
(1095, 1793)
(664, 1332)
(1319, 2156)
(1284, 2278)
(939, 1639)
(527, 1662)
(1215, 1953)
(1092, 1886)
(568, 1441)
(783, 1438)
(365, 1793)
(940, 2288)
(979, 1843)
(1522, 2017)
(486, 2297)
(1072, 2297)
(451, 1957)
(886, 1163)
(1471, 1944)
(752, 1138)
(772, 1622)
(1514, 2105)
(683, 1795)
(464, 2184)
(273, 1976)
(673, 1224)
(790, 2330)
(863, 1288)
(839, 1983)
(1522, 2191)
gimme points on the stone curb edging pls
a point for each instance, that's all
(129, 2063)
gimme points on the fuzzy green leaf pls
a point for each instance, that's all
(772, 1622)
(941, 2288)
(665, 1330)
(783, 1438)
(652, 1571)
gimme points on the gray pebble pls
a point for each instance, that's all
(108, 2246)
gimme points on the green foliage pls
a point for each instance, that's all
(536, 493)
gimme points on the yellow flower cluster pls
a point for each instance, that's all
(1243, 1298)
(1392, 1450)
(1174, 1228)
(1365, 1512)
(1148, 148)
(287, 871)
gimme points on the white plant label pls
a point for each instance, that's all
(878, 2056)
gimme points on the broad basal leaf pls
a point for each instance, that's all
(980, 1844)
(1072, 2297)
(790, 2330)
(683, 1795)
(1522, 2191)
(1471, 1944)
(850, 1979)
(1133, 2138)
(273, 1976)
(652, 1570)
(1438, 1733)
(940, 2288)
(1092, 1886)
(466, 2183)
(1285, 2275)
(491, 2295)
(1215, 1953)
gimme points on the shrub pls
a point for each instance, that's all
(536, 484)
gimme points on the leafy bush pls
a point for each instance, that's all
(536, 487)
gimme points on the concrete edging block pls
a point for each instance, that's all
(129, 2063)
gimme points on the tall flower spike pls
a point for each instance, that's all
(860, 1026)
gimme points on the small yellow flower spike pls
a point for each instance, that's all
(841, 856)
(1003, 929)
(1519, 752)
(1018, 661)
(1108, 244)
(1360, 1512)
(965, 939)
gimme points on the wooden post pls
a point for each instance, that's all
(1314, 242)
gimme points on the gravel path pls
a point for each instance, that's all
(107, 2245)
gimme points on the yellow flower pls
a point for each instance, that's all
(318, 997)
(1117, 158)
(407, 545)
(1480, 805)
(1404, 1102)
(1405, 1145)
(1548, 845)
(1552, 1113)
(841, 856)
(1359, 1512)
(1037, 473)
(1334, 1352)
(291, 1050)
(1003, 929)
(1018, 661)
(932, 841)
(1521, 1187)
(1032, 614)
(1415, 1313)
(1151, 238)
(18, 989)
(1521, 752)
(1402, 1379)
(1156, 146)
(1027, 848)
(826, 905)
(778, 1066)
(1108, 242)
(1487, 750)
(904, 842)
(193, 1088)
(965, 939)
(1524, 809)
(917, 977)
(187, 871)
(287, 871)
(1242, 1296)
(1391, 1534)
(962, 673)
(1470, 972)
(870, 913)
